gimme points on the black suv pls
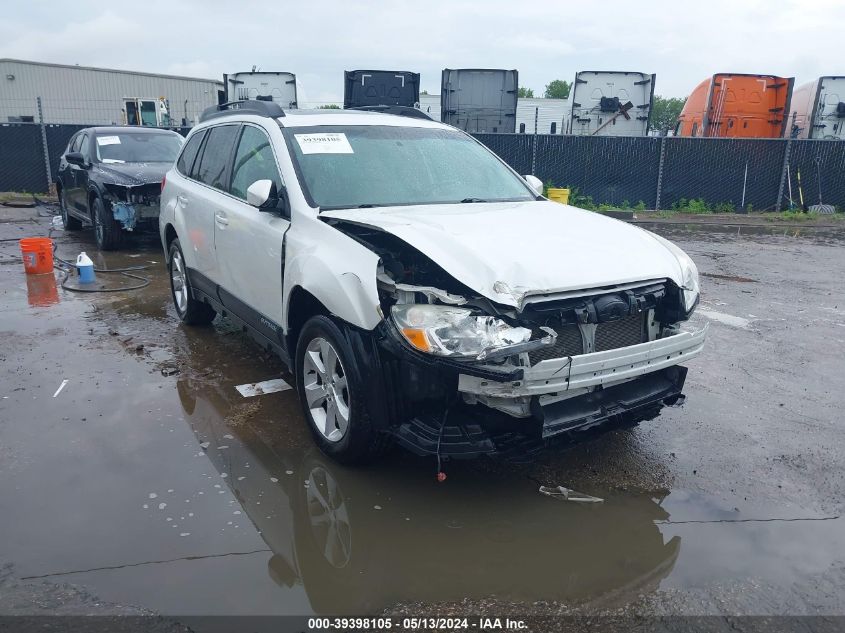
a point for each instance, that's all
(110, 177)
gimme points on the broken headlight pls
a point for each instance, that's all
(452, 331)
(689, 273)
(690, 287)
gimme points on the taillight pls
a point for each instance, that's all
(163, 182)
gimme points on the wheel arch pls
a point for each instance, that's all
(302, 305)
(170, 234)
(93, 194)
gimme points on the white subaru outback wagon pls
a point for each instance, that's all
(421, 291)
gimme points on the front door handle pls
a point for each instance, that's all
(221, 219)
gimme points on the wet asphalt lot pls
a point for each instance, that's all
(150, 485)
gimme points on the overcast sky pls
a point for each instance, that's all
(682, 42)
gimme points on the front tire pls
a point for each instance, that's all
(330, 389)
(189, 310)
(69, 222)
(108, 230)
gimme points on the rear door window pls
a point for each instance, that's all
(189, 153)
(254, 160)
(214, 164)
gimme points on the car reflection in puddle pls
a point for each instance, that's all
(361, 540)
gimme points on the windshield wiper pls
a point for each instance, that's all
(469, 200)
(365, 206)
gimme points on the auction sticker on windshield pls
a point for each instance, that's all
(324, 143)
(108, 140)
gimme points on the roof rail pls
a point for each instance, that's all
(398, 110)
(261, 108)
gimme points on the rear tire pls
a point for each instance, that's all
(330, 390)
(108, 230)
(189, 310)
(69, 222)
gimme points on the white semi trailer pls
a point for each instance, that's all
(608, 103)
(818, 110)
(279, 87)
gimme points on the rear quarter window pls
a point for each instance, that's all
(189, 154)
(214, 163)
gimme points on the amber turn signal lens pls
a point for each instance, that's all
(417, 338)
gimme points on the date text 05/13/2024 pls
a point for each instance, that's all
(416, 624)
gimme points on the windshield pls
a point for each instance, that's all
(360, 166)
(139, 147)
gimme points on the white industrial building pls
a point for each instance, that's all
(100, 96)
(550, 114)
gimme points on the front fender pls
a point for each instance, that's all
(96, 189)
(334, 268)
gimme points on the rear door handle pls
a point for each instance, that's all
(221, 219)
(182, 199)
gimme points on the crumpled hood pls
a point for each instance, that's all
(133, 174)
(508, 250)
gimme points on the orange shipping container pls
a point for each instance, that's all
(732, 105)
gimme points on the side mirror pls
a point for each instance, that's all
(535, 183)
(75, 158)
(262, 195)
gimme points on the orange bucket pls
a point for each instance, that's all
(37, 255)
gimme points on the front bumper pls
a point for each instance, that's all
(559, 375)
(471, 431)
(527, 407)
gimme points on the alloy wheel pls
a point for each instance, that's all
(326, 389)
(179, 282)
(98, 229)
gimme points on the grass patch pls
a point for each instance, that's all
(700, 206)
(800, 216)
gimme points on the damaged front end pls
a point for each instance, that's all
(134, 206)
(465, 376)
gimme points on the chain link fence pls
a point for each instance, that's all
(22, 165)
(34, 132)
(727, 173)
(689, 174)
(821, 165)
(23, 160)
(616, 171)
